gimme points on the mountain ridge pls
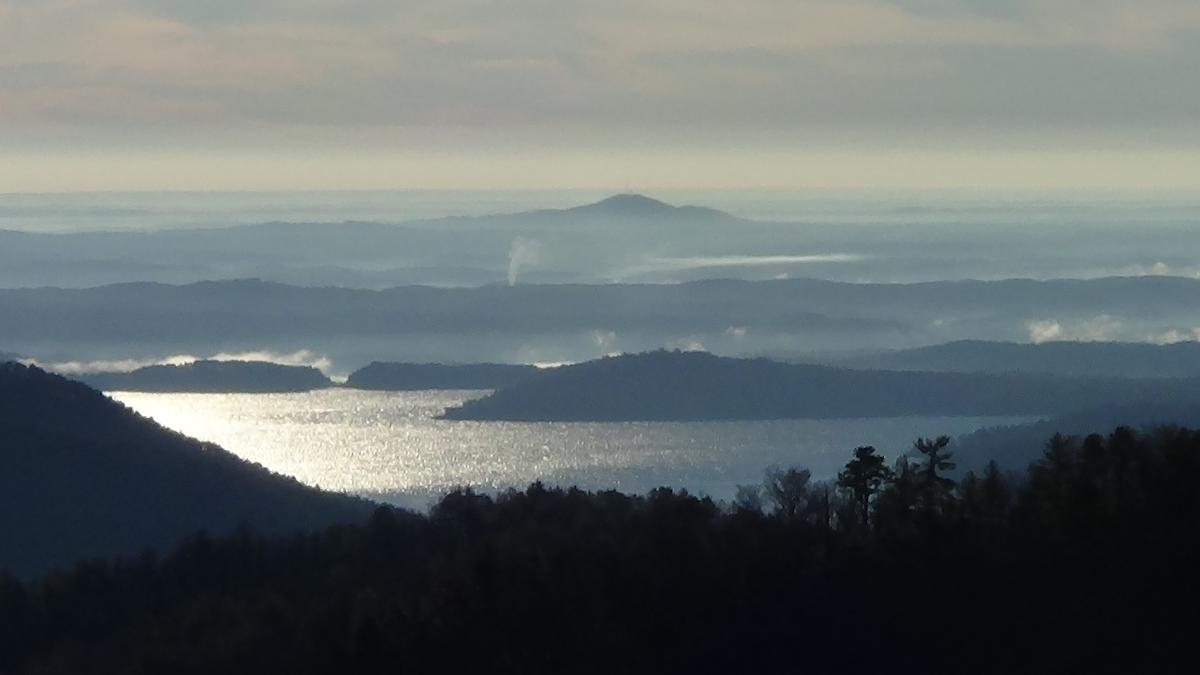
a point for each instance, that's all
(1063, 357)
(620, 204)
(563, 322)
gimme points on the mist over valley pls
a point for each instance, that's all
(623, 238)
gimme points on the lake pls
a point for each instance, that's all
(388, 446)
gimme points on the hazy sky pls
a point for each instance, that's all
(282, 94)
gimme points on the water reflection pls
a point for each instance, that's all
(387, 445)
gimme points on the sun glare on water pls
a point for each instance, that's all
(389, 446)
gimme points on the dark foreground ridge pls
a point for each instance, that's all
(255, 377)
(85, 476)
(1085, 563)
(677, 385)
(418, 376)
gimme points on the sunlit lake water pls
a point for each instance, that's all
(388, 446)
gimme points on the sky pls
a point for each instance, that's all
(474, 94)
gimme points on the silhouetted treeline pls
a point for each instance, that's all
(82, 475)
(416, 376)
(1084, 564)
(674, 385)
(256, 377)
(1016, 446)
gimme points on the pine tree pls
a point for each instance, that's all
(935, 488)
(863, 477)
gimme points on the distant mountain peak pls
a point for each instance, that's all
(632, 205)
(631, 202)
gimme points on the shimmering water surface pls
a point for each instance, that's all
(387, 445)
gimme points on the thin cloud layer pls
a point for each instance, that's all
(465, 76)
(532, 62)
(666, 265)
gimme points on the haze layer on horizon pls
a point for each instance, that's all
(366, 94)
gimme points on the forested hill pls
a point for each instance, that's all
(212, 376)
(677, 385)
(85, 476)
(415, 376)
(1124, 359)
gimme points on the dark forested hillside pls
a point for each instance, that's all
(698, 386)
(1083, 564)
(83, 476)
(414, 376)
(212, 376)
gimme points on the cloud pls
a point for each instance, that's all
(1175, 335)
(753, 260)
(302, 357)
(1100, 328)
(538, 93)
(1161, 269)
(702, 262)
(1043, 331)
(576, 64)
(110, 365)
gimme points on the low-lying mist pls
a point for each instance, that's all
(626, 238)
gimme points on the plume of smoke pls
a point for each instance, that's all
(604, 340)
(522, 252)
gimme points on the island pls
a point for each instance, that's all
(419, 376)
(697, 386)
(250, 377)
